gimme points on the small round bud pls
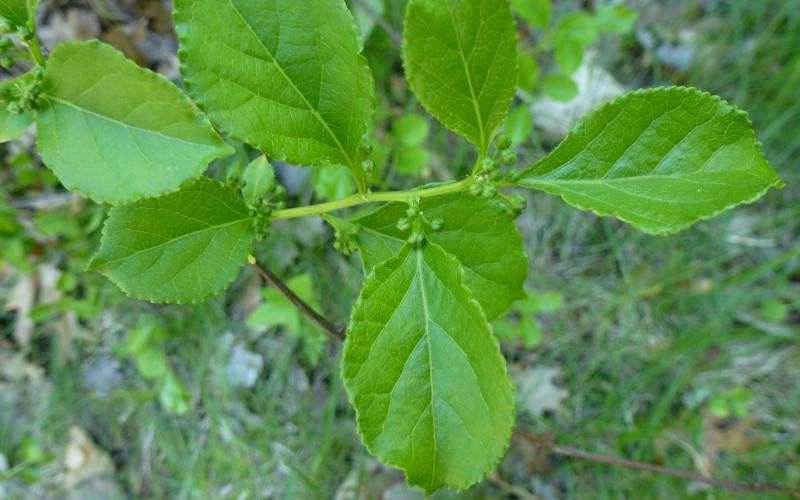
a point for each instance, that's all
(496, 175)
(487, 165)
(489, 191)
(412, 212)
(368, 166)
(508, 157)
(437, 224)
(25, 33)
(279, 192)
(416, 239)
(6, 26)
(280, 205)
(475, 188)
(503, 142)
(365, 148)
(518, 201)
(6, 43)
(404, 224)
(513, 175)
(8, 62)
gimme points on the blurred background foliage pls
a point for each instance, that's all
(680, 351)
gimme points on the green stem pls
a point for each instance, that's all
(360, 199)
(35, 49)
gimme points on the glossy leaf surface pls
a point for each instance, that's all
(461, 61)
(19, 12)
(477, 232)
(116, 132)
(425, 374)
(182, 247)
(285, 77)
(660, 159)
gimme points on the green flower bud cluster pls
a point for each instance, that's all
(489, 173)
(345, 238)
(262, 211)
(25, 94)
(514, 204)
(367, 163)
(7, 28)
(416, 222)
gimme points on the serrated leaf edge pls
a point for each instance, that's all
(194, 300)
(224, 148)
(776, 183)
(370, 282)
(279, 155)
(488, 134)
(518, 293)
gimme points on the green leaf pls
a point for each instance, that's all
(364, 19)
(116, 132)
(425, 373)
(578, 26)
(173, 396)
(19, 12)
(332, 182)
(569, 54)
(528, 75)
(535, 12)
(410, 160)
(615, 18)
(660, 159)
(287, 79)
(12, 126)
(560, 87)
(259, 180)
(277, 310)
(152, 363)
(410, 130)
(461, 61)
(476, 231)
(182, 247)
(519, 124)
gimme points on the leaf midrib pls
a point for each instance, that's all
(427, 319)
(122, 123)
(311, 108)
(175, 240)
(475, 104)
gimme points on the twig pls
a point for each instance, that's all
(544, 442)
(396, 38)
(510, 488)
(738, 487)
(334, 331)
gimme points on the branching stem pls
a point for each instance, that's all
(359, 199)
(327, 325)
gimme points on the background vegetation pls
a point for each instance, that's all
(680, 351)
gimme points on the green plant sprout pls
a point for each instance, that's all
(421, 365)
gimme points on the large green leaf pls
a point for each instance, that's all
(478, 232)
(19, 12)
(425, 374)
(461, 61)
(116, 132)
(282, 75)
(660, 159)
(182, 247)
